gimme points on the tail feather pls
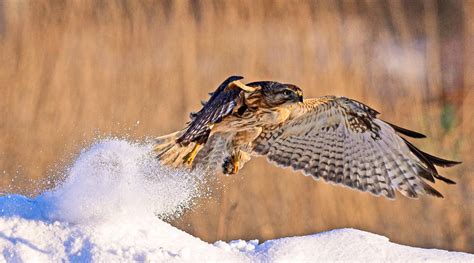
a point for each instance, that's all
(170, 153)
(166, 139)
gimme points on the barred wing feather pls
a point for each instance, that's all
(342, 141)
(220, 105)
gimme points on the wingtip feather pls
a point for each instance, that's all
(407, 132)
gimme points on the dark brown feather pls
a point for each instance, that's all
(431, 161)
(409, 133)
(221, 104)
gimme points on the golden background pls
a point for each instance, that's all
(71, 71)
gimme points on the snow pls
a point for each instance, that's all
(111, 205)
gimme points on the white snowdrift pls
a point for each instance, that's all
(109, 209)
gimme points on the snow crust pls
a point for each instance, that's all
(111, 205)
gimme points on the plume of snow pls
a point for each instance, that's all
(114, 179)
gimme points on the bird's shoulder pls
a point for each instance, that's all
(331, 105)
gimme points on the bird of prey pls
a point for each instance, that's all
(334, 138)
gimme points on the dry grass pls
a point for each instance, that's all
(72, 69)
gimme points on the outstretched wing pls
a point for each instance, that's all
(222, 102)
(343, 142)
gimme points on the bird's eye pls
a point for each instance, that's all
(287, 92)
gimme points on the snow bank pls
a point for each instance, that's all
(111, 204)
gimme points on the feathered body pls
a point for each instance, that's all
(334, 138)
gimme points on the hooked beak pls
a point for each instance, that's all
(300, 98)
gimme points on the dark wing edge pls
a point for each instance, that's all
(220, 105)
(430, 161)
(406, 132)
(359, 160)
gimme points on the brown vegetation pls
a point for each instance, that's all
(70, 70)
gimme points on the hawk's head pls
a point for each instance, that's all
(276, 94)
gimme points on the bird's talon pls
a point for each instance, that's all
(189, 158)
(230, 166)
(236, 167)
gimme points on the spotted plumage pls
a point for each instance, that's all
(332, 138)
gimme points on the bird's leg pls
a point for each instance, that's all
(236, 165)
(189, 158)
(232, 164)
